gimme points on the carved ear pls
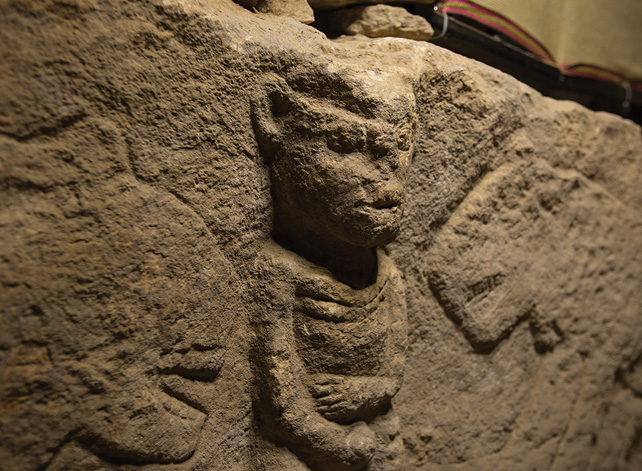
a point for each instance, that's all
(270, 102)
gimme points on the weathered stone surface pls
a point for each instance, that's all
(331, 326)
(162, 308)
(298, 9)
(378, 21)
(519, 345)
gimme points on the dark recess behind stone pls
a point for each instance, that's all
(485, 45)
(478, 42)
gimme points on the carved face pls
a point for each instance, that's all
(343, 177)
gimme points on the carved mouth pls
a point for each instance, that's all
(388, 198)
(382, 213)
(386, 204)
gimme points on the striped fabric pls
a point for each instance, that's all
(502, 24)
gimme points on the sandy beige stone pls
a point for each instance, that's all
(162, 311)
(298, 9)
(378, 21)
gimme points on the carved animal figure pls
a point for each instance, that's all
(331, 327)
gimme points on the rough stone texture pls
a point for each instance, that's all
(297, 9)
(378, 21)
(330, 319)
(137, 253)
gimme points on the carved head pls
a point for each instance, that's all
(338, 153)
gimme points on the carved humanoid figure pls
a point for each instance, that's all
(331, 326)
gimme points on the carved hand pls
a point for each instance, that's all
(341, 398)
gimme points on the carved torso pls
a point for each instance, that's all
(341, 330)
(354, 339)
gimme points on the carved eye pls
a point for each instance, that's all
(346, 141)
(281, 104)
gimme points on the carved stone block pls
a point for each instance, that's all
(229, 243)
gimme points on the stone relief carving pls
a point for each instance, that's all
(331, 331)
(137, 246)
(526, 208)
(485, 291)
(121, 351)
